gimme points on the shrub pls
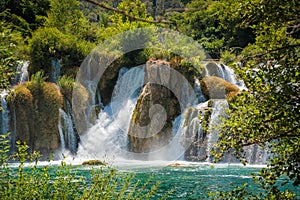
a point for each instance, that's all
(34, 182)
(50, 44)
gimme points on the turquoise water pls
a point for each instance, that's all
(188, 181)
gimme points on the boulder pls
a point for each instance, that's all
(93, 162)
(217, 88)
(35, 116)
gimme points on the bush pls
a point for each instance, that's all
(34, 182)
(50, 44)
(66, 85)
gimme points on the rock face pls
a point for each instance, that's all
(217, 88)
(195, 134)
(151, 123)
(35, 114)
(167, 92)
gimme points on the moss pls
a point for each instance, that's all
(80, 98)
(21, 108)
(217, 88)
(185, 68)
(66, 85)
(93, 162)
(37, 113)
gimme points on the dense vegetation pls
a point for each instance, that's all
(259, 39)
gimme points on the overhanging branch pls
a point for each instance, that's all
(289, 134)
(123, 12)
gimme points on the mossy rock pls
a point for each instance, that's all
(21, 109)
(217, 88)
(93, 162)
(36, 109)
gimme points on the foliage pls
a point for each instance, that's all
(66, 85)
(268, 113)
(213, 26)
(9, 41)
(121, 23)
(49, 43)
(37, 182)
(25, 15)
(66, 16)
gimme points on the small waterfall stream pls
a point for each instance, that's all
(55, 70)
(4, 118)
(21, 73)
(66, 129)
(218, 109)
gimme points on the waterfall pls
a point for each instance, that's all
(21, 73)
(197, 89)
(61, 131)
(4, 118)
(55, 70)
(218, 109)
(66, 130)
(109, 134)
(256, 154)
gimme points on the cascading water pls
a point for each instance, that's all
(109, 135)
(191, 127)
(55, 70)
(66, 130)
(4, 118)
(21, 73)
(218, 109)
(61, 131)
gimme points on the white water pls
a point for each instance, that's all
(218, 109)
(108, 137)
(226, 73)
(55, 70)
(61, 131)
(21, 73)
(66, 130)
(4, 123)
(191, 128)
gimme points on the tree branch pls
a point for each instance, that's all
(267, 52)
(284, 134)
(184, 9)
(123, 12)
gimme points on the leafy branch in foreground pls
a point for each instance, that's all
(31, 181)
(267, 114)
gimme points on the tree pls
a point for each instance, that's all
(8, 54)
(214, 27)
(25, 15)
(268, 113)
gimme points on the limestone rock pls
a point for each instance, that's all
(93, 162)
(217, 88)
(35, 109)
